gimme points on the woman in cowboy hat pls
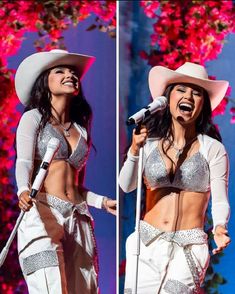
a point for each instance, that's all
(56, 244)
(184, 163)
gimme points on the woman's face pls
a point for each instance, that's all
(63, 80)
(186, 102)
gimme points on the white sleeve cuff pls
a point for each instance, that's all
(220, 214)
(132, 157)
(94, 199)
(22, 189)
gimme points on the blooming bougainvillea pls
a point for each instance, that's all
(188, 31)
(49, 18)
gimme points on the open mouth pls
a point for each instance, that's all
(186, 107)
(70, 84)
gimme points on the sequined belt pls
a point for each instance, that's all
(183, 238)
(64, 207)
(148, 234)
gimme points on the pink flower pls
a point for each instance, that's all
(232, 110)
(143, 55)
(150, 8)
(232, 120)
(220, 109)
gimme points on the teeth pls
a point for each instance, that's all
(69, 83)
(186, 106)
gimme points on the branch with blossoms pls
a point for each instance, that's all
(187, 30)
(58, 15)
(49, 18)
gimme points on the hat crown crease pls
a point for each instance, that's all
(193, 70)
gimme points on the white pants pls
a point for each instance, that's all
(165, 265)
(56, 245)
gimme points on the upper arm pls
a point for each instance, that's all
(219, 164)
(26, 136)
(219, 173)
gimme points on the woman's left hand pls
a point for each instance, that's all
(221, 238)
(110, 205)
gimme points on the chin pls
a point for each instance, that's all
(71, 93)
(186, 120)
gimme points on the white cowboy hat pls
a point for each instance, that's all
(32, 66)
(160, 77)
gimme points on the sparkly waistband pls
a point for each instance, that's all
(149, 234)
(63, 206)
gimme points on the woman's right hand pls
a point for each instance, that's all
(138, 140)
(25, 202)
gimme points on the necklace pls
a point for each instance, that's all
(179, 151)
(65, 130)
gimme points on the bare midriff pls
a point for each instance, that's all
(62, 181)
(172, 209)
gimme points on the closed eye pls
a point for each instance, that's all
(59, 71)
(197, 94)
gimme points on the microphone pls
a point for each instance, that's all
(159, 103)
(52, 147)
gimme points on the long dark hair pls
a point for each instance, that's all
(160, 124)
(40, 98)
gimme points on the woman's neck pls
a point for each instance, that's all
(60, 109)
(183, 133)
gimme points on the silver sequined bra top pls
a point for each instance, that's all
(77, 158)
(192, 175)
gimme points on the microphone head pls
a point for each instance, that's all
(53, 143)
(162, 99)
(159, 103)
(130, 121)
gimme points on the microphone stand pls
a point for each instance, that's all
(136, 249)
(33, 194)
(5, 250)
(145, 115)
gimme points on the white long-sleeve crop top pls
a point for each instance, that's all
(31, 144)
(206, 170)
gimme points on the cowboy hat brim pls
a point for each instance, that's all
(31, 68)
(160, 77)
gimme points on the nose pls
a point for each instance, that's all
(68, 73)
(188, 94)
(71, 75)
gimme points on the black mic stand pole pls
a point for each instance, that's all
(136, 249)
